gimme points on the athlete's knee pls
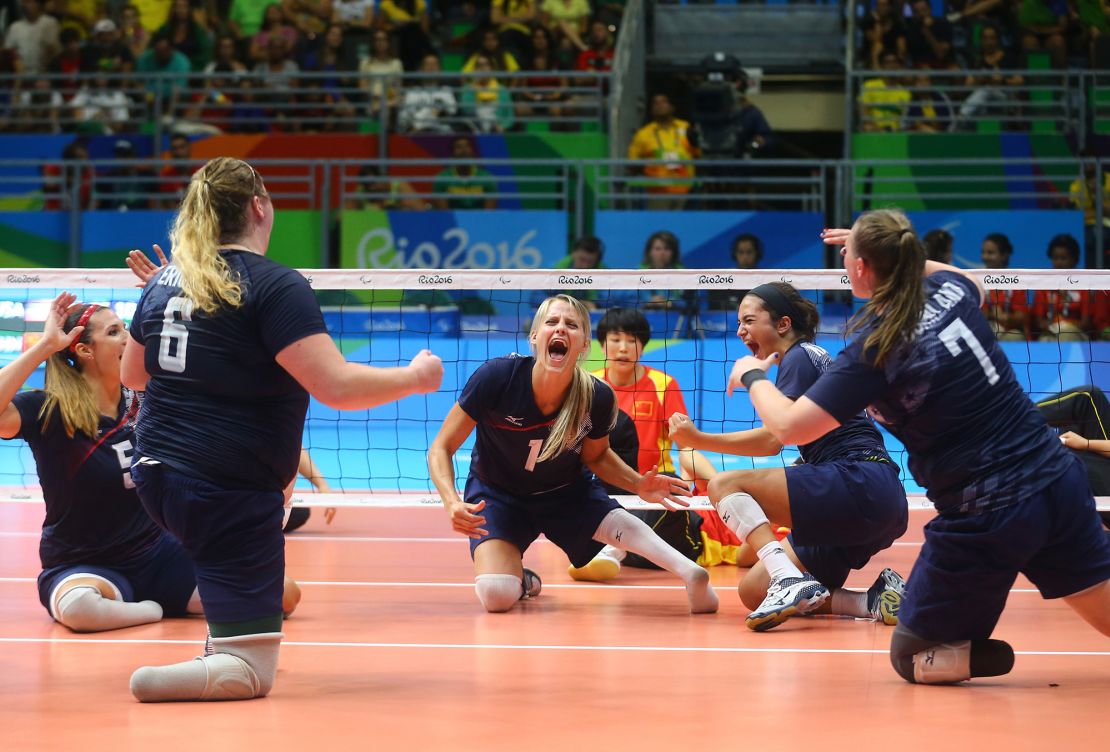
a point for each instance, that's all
(922, 661)
(751, 594)
(290, 596)
(722, 484)
(498, 592)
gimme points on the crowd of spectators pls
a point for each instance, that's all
(238, 65)
(977, 47)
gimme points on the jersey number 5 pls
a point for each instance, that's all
(957, 330)
(174, 337)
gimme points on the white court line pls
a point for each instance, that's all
(552, 586)
(479, 646)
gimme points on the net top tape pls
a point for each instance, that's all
(558, 279)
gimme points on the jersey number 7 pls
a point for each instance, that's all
(957, 330)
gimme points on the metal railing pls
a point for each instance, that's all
(836, 189)
(301, 102)
(1071, 102)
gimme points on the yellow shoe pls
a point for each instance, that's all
(599, 569)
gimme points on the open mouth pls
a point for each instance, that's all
(753, 346)
(557, 351)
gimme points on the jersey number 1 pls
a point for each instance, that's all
(174, 338)
(533, 454)
(957, 330)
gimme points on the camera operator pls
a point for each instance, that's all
(727, 125)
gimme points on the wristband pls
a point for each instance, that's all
(752, 376)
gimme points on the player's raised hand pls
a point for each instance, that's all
(663, 489)
(835, 236)
(142, 267)
(53, 338)
(427, 369)
(466, 520)
(749, 363)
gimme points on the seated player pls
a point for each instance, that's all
(298, 516)
(543, 424)
(649, 397)
(844, 503)
(1082, 415)
(106, 565)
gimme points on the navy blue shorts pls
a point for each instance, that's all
(968, 564)
(569, 517)
(843, 514)
(163, 574)
(233, 537)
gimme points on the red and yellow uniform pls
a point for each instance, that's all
(650, 402)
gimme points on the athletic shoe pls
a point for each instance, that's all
(786, 597)
(531, 584)
(884, 598)
(599, 569)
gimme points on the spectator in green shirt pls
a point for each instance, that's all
(245, 16)
(464, 186)
(161, 58)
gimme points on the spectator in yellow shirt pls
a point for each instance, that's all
(883, 101)
(665, 139)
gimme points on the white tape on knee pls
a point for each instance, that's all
(741, 514)
(947, 663)
(498, 592)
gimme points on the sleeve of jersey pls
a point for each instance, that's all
(970, 287)
(603, 410)
(287, 310)
(474, 399)
(673, 401)
(796, 373)
(29, 405)
(848, 386)
(136, 327)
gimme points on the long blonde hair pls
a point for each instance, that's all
(886, 240)
(570, 422)
(66, 389)
(214, 211)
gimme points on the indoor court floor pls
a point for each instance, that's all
(390, 650)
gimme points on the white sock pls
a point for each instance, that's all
(239, 668)
(614, 553)
(620, 528)
(778, 564)
(850, 603)
(85, 609)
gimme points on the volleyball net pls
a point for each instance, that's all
(383, 317)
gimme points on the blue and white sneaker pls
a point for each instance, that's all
(884, 598)
(531, 584)
(786, 597)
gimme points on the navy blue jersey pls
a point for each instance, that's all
(511, 429)
(218, 406)
(856, 438)
(93, 515)
(975, 440)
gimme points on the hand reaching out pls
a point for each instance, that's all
(142, 267)
(663, 489)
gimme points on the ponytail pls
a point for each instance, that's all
(886, 240)
(214, 211)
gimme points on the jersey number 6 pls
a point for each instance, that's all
(174, 337)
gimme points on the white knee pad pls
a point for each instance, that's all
(741, 514)
(498, 592)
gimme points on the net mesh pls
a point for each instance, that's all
(384, 317)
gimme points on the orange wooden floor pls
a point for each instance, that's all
(391, 651)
